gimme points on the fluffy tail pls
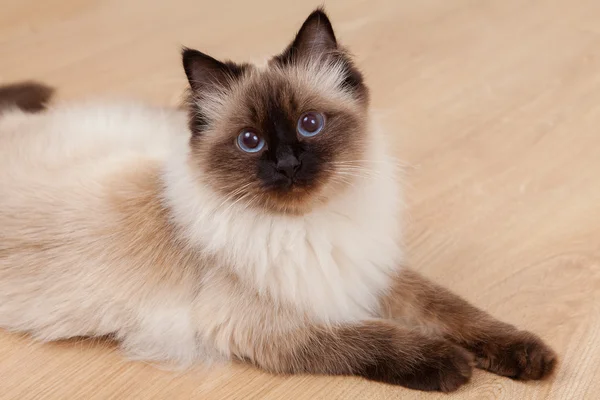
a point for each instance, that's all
(27, 96)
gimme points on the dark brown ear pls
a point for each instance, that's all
(316, 41)
(315, 38)
(205, 73)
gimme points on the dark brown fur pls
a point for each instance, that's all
(382, 351)
(27, 96)
(497, 346)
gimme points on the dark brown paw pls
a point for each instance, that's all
(441, 367)
(518, 355)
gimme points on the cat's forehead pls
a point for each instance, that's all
(305, 78)
(291, 89)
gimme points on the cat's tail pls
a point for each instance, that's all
(27, 96)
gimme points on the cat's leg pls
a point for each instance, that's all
(499, 347)
(378, 350)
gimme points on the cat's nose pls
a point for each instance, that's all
(288, 166)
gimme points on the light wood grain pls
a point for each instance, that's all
(494, 105)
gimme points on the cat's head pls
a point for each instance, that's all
(287, 136)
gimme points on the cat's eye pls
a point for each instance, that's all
(250, 141)
(311, 123)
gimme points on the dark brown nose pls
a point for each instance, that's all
(288, 166)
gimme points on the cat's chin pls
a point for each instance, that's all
(302, 198)
(293, 199)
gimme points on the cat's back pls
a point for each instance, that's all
(81, 138)
(64, 155)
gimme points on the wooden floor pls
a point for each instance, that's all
(494, 105)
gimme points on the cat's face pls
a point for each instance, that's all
(286, 136)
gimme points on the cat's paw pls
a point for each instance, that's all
(518, 355)
(441, 367)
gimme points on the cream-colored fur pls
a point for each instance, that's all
(106, 229)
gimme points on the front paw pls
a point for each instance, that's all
(440, 366)
(518, 355)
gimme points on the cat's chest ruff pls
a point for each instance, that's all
(330, 266)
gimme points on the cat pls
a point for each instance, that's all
(262, 225)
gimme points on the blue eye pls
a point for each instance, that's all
(311, 123)
(250, 142)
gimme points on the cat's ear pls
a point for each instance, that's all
(315, 39)
(316, 42)
(205, 73)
